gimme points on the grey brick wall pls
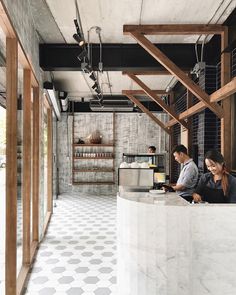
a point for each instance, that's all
(133, 134)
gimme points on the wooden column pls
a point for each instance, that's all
(226, 103)
(49, 152)
(11, 167)
(26, 188)
(35, 200)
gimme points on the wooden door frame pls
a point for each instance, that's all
(14, 53)
(49, 192)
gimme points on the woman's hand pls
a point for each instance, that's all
(197, 198)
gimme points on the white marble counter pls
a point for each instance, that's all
(167, 246)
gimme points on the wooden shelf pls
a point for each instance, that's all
(93, 144)
(88, 158)
(93, 182)
(94, 170)
(83, 152)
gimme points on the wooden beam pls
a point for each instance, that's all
(145, 110)
(142, 92)
(218, 95)
(226, 120)
(154, 97)
(180, 75)
(164, 72)
(27, 156)
(200, 106)
(11, 167)
(5, 23)
(193, 29)
(224, 92)
(9, 31)
(35, 200)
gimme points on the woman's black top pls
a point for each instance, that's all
(212, 191)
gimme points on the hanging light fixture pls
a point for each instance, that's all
(85, 56)
(97, 90)
(85, 67)
(93, 77)
(98, 31)
(82, 55)
(95, 85)
(79, 39)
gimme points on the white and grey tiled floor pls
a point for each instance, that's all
(78, 254)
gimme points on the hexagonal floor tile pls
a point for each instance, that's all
(113, 280)
(66, 280)
(47, 291)
(87, 254)
(91, 280)
(82, 269)
(40, 280)
(66, 254)
(95, 261)
(102, 291)
(75, 291)
(58, 269)
(73, 261)
(105, 269)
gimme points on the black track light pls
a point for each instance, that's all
(77, 26)
(93, 77)
(100, 100)
(97, 90)
(78, 39)
(82, 55)
(85, 67)
(95, 85)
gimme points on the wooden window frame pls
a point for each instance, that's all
(49, 192)
(14, 52)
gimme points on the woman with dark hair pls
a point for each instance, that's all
(216, 186)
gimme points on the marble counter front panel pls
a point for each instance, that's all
(167, 246)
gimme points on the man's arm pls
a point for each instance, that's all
(178, 187)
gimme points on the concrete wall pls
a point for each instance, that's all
(133, 134)
(21, 18)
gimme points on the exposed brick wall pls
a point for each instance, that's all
(133, 134)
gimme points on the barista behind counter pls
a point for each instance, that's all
(188, 177)
(216, 186)
(152, 150)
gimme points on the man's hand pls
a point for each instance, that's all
(197, 198)
(168, 188)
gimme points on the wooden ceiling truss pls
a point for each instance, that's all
(205, 101)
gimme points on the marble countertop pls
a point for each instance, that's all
(167, 199)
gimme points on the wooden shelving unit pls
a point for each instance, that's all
(93, 144)
(93, 182)
(94, 170)
(87, 159)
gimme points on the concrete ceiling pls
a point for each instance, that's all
(54, 22)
